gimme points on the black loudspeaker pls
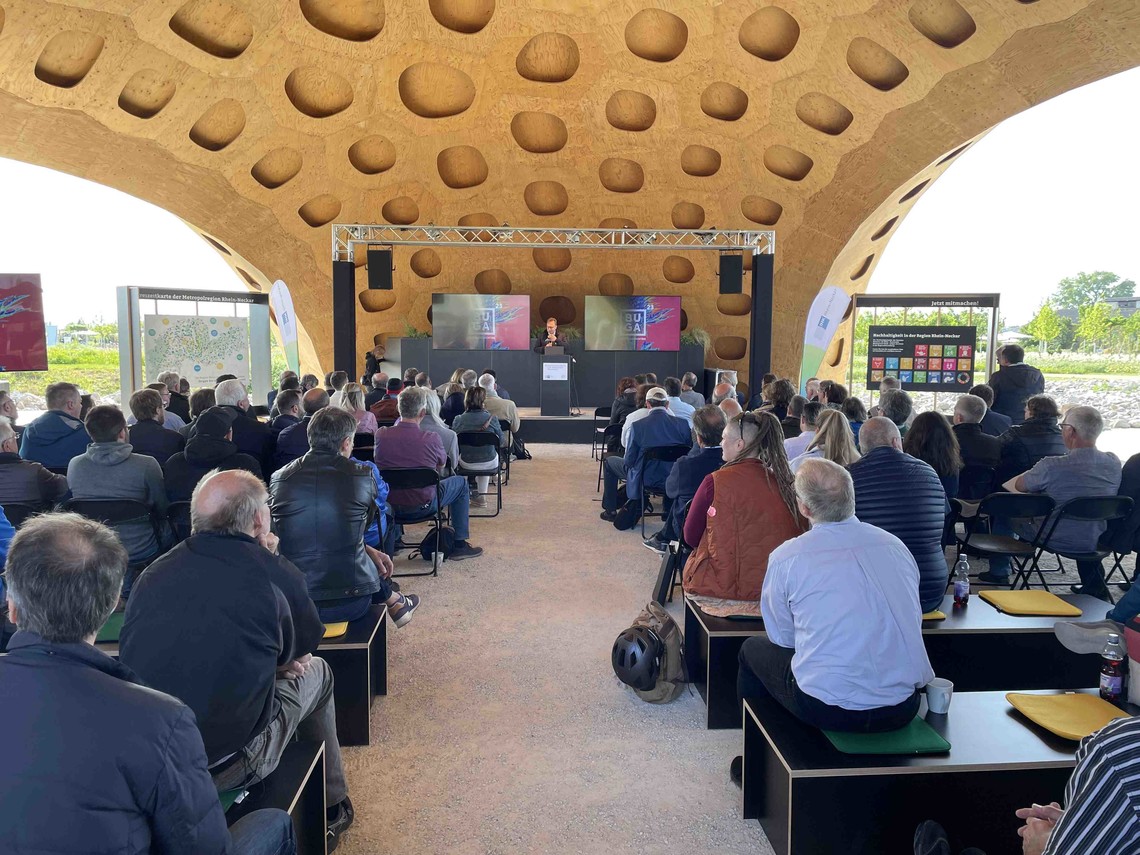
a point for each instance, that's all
(760, 324)
(344, 317)
(732, 274)
(380, 270)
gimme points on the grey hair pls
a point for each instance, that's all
(64, 574)
(1086, 421)
(487, 382)
(229, 393)
(467, 378)
(708, 423)
(826, 490)
(970, 409)
(689, 380)
(889, 383)
(431, 401)
(238, 513)
(411, 401)
(6, 429)
(170, 378)
(896, 405)
(329, 428)
(877, 433)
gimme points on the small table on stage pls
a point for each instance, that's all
(554, 394)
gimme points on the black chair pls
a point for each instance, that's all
(383, 423)
(1082, 509)
(672, 564)
(1010, 506)
(975, 482)
(483, 439)
(507, 448)
(1122, 538)
(179, 516)
(363, 446)
(410, 479)
(115, 514)
(601, 420)
(17, 513)
(667, 454)
(609, 433)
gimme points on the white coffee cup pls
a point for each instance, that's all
(938, 694)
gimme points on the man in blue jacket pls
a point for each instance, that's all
(58, 435)
(120, 768)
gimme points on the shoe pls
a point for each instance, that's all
(478, 501)
(608, 516)
(658, 546)
(1088, 637)
(394, 585)
(736, 770)
(988, 578)
(339, 824)
(460, 553)
(401, 613)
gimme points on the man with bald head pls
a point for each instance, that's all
(225, 624)
(902, 495)
(379, 390)
(721, 392)
(293, 442)
(731, 408)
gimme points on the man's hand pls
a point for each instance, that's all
(1035, 835)
(296, 668)
(383, 562)
(1051, 812)
(270, 541)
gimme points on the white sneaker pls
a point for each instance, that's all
(478, 501)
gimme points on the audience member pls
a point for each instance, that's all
(169, 420)
(625, 403)
(780, 394)
(406, 446)
(856, 414)
(834, 396)
(979, 451)
(212, 447)
(293, 442)
(832, 441)
(25, 481)
(1014, 383)
(500, 391)
(225, 624)
(688, 393)
(353, 401)
(501, 408)
(902, 495)
(147, 435)
(811, 389)
(200, 401)
(184, 386)
(338, 380)
(476, 419)
(791, 422)
(222, 378)
(288, 405)
(378, 391)
(9, 411)
(58, 435)
(386, 409)
(809, 418)
(433, 423)
(456, 378)
(993, 424)
(887, 384)
(176, 402)
(651, 378)
(657, 429)
(931, 440)
(424, 381)
(409, 376)
(251, 436)
(688, 473)
(287, 380)
(110, 469)
(729, 377)
(677, 406)
(639, 379)
(896, 405)
(731, 408)
(1083, 471)
(721, 392)
(740, 513)
(637, 415)
(309, 382)
(468, 379)
(1037, 437)
(123, 768)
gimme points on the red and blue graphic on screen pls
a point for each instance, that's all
(480, 322)
(23, 342)
(633, 323)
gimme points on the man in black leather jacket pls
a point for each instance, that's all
(322, 506)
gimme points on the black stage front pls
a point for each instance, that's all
(536, 428)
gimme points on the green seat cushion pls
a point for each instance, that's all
(112, 628)
(229, 797)
(918, 737)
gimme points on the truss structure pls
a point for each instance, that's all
(346, 237)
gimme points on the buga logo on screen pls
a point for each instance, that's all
(636, 323)
(485, 322)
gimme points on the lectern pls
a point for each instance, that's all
(554, 396)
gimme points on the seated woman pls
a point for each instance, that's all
(932, 440)
(475, 419)
(832, 441)
(624, 403)
(856, 414)
(452, 403)
(353, 397)
(739, 514)
(432, 422)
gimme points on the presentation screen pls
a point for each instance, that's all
(480, 322)
(633, 323)
(23, 337)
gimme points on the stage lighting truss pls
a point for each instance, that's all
(345, 238)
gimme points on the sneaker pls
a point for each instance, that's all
(478, 501)
(339, 824)
(1088, 637)
(736, 770)
(401, 613)
(658, 546)
(460, 553)
(988, 578)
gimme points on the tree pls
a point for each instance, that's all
(1085, 289)
(1095, 324)
(1045, 327)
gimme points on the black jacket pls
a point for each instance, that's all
(978, 449)
(686, 476)
(791, 426)
(322, 506)
(902, 495)
(210, 622)
(251, 437)
(559, 341)
(1013, 385)
(27, 482)
(95, 762)
(280, 422)
(185, 469)
(1123, 535)
(622, 406)
(451, 408)
(152, 439)
(995, 424)
(374, 396)
(292, 444)
(180, 406)
(1024, 444)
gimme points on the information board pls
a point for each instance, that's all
(924, 359)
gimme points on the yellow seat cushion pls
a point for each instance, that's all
(336, 630)
(1071, 716)
(937, 614)
(1030, 603)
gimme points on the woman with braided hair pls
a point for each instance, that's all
(739, 514)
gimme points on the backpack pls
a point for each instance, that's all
(518, 449)
(426, 549)
(671, 676)
(627, 516)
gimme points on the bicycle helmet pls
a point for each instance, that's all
(636, 657)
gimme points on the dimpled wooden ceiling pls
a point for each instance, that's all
(260, 123)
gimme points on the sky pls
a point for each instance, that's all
(1047, 194)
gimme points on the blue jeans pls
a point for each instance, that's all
(1127, 607)
(457, 496)
(263, 832)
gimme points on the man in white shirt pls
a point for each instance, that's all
(843, 649)
(797, 445)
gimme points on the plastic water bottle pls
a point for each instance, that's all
(1112, 670)
(961, 581)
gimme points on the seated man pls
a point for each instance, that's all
(501, 408)
(211, 447)
(9, 411)
(896, 405)
(424, 381)
(993, 423)
(58, 435)
(976, 448)
(287, 380)
(902, 495)
(688, 473)
(110, 469)
(378, 391)
(293, 442)
(25, 481)
(1037, 437)
(224, 623)
(250, 435)
(177, 403)
(323, 504)
(721, 392)
(200, 401)
(842, 648)
(1084, 471)
(791, 422)
(288, 411)
(337, 381)
(688, 394)
(147, 435)
(406, 446)
(656, 430)
(500, 390)
(677, 405)
(123, 769)
(387, 409)
(799, 443)
(170, 420)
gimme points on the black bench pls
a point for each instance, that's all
(297, 786)
(810, 798)
(712, 645)
(359, 662)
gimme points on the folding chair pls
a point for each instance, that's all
(667, 454)
(602, 415)
(179, 515)
(1010, 506)
(363, 446)
(483, 439)
(410, 479)
(505, 453)
(115, 514)
(1082, 509)
(611, 432)
(1122, 538)
(17, 513)
(672, 564)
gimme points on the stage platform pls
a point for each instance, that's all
(561, 429)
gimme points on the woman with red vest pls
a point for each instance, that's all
(739, 514)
